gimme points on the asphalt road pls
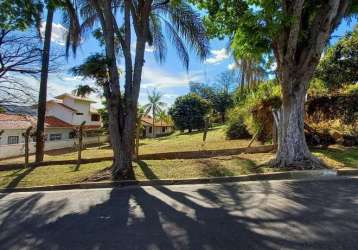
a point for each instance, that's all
(257, 215)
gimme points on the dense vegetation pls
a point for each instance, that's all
(189, 111)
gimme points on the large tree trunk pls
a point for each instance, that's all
(41, 109)
(297, 57)
(122, 109)
(292, 147)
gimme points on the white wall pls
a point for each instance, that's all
(60, 112)
(12, 132)
(158, 131)
(19, 149)
(82, 107)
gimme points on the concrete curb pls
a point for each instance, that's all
(347, 171)
(289, 175)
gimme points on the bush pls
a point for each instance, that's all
(350, 89)
(189, 111)
(236, 127)
(317, 88)
(255, 109)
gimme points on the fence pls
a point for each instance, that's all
(12, 150)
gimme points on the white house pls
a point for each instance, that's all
(161, 128)
(63, 114)
(74, 110)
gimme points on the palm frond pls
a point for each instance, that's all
(70, 20)
(178, 44)
(188, 23)
(158, 39)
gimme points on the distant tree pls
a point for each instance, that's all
(227, 80)
(83, 90)
(251, 72)
(340, 63)
(155, 105)
(221, 101)
(20, 55)
(201, 89)
(189, 111)
(162, 116)
(218, 97)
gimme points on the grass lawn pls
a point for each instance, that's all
(144, 170)
(336, 157)
(339, 156)
(172, 143)
(168, 169)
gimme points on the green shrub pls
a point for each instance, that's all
(317, 88)
(350, 89)
(236, 127)
(189, 111)
(254, 108)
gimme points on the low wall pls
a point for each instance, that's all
(207, 153)
(13, 150)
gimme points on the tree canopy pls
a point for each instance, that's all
(340, 63)
(189, 111)
(20, 14)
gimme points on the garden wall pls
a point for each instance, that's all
(13, 150)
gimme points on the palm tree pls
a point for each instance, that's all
(152, 21)
(83, 90)
(251, 73)
(73, 38)
(155, 106)
(162, 116)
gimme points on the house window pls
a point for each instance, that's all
(95, 118)
(12, 140)
(163, 129)
(55, 137)
(79, 113)
(150, 130)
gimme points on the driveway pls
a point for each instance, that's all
(316, 214)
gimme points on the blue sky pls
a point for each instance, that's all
(170, 78)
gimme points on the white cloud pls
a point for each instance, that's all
(218, 56)
(232, 66)
(149, 49)
(58, 34)
(156, 78)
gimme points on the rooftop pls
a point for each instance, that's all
(148, 119)
(11, 121)
(84, 99)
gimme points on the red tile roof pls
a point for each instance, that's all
(53, 122)
(149, 120)
(8, 121)
(89, 127)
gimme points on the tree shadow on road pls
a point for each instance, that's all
(212, 217)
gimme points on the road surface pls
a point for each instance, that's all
(319, 214)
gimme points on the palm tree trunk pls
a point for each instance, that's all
(41, 109)
(153, 126)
